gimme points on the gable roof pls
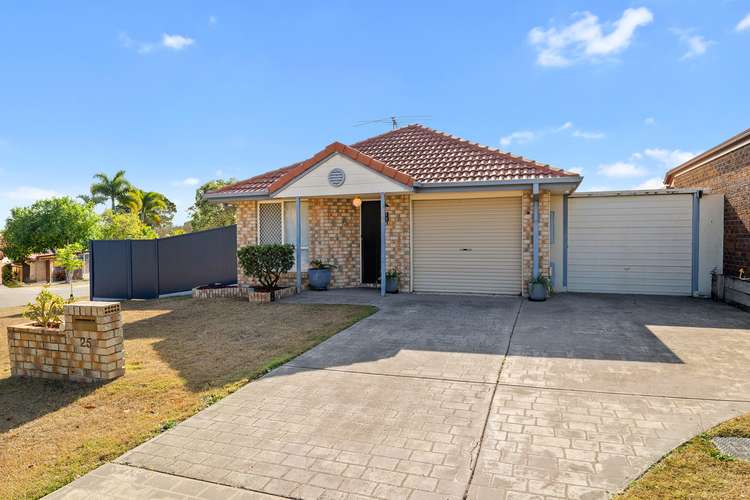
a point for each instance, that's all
(411, 155)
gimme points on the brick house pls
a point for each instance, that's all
(724, 169)
(450, 215)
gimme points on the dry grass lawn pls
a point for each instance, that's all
(181, 355)
(697, 470)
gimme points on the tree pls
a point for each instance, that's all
(67, 258)
(93, 199)
(115, 189)
(207, 215)
(48, 224)
(148, 205)
(124, 226)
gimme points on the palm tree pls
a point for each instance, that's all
(147, 204)
(115, 189)
(93, 199)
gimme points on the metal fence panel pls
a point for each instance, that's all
(110, 269)
(145, 269)
(200, 258)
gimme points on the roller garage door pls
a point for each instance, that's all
(630, 244)
(467, 245)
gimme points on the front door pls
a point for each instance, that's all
(370, 225)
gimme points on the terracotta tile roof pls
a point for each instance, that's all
(414, 154)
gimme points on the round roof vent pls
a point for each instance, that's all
(336, 177)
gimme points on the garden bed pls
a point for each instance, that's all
(218, 290)
(263, 296)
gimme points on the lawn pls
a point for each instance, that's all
(697, 469)
(181, 354)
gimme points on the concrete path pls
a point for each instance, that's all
(11, 297)
(419, 401)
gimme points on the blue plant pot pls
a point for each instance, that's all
(537, 292)
(319, 279)
(391, 285)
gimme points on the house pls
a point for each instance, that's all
(455, 216)
(724, 169)
(37, 267)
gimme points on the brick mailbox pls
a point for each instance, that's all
(87, 348)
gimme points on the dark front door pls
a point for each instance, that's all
(370, 241)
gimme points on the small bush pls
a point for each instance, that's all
(9, 277)
(45, 310)
(266, 263)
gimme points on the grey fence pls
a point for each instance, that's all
(146, 269)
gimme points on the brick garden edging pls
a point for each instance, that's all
(226, 292)
(265, 297)
(88, 346)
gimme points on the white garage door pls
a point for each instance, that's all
(468, 246)
(630, 244)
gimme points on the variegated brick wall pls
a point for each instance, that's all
(527, 243)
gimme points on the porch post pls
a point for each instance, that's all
(535, 229)
(382, 245)
(298, 244)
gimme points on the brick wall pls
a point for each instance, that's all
(247, 230)
(398, 238)
(527, 243)
(335, 238)
(730, 175)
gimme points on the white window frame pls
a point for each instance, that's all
(283, 227)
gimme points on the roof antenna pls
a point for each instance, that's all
(393, 120)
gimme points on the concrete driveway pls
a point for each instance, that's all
(420, 401)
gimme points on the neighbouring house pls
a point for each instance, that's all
(724, 169)
(455, 216)
(37, 267)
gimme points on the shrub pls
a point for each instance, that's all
(319, 264)
(45, 310)
(266, 263)
(9, 276)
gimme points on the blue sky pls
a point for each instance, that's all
(178, 93)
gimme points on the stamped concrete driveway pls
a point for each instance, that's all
(420, 401)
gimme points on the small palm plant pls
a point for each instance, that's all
(45, 310)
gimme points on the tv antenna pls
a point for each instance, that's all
(393, 120)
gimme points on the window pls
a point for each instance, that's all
(552, 231)
(277, 224)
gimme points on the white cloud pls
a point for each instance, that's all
(668, 158)
(526, 136)
(588, 135)
(172, 42)
(176, 42)
(697, 45)
(744, 24)
(653, 183)
(584, 39)
(28, 193)
(518, 137)
(650, 120)
(188, 181)
(622, 169)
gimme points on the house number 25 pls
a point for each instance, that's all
(85, 342)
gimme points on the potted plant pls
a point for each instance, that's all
(266, 263)
(391, 281)
(319, 275)
(539, 288)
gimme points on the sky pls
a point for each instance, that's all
(178, 93)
